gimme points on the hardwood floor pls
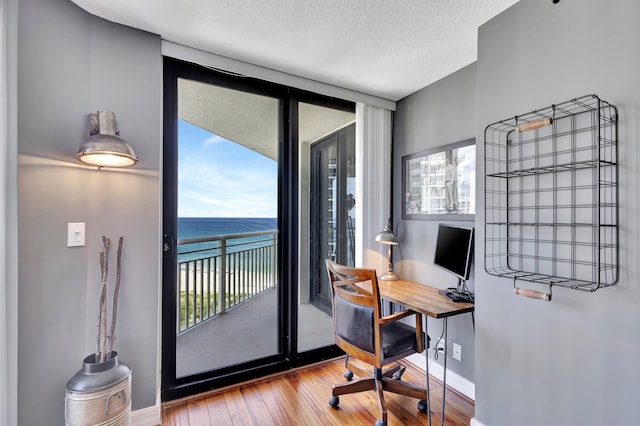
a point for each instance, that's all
(300, 397)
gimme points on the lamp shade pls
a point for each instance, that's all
(103, 148)
(387, 236)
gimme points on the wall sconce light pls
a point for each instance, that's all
(104, 148)
(387, 237)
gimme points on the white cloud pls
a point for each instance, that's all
(215, 188)
(214, 139)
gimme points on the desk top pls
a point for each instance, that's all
(420, 298)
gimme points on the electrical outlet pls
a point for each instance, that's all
(441, 345)
(457, 352)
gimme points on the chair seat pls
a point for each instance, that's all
(398, 337)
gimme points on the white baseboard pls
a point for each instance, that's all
(454, 380)
(149, 416)
(475, 422)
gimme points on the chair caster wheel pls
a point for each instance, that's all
(423, 407)
(380, 422)
(348, 375)
(334, 401)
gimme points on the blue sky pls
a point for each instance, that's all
(219, 178)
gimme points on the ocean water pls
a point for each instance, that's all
(192, 227)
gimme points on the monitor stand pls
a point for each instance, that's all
(459, 294)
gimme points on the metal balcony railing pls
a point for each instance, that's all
(217, 273)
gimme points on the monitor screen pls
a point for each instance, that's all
(454, 250)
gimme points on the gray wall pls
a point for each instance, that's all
(440, 114)
(573, 361)
(71, 64)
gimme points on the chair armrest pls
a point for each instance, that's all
(397, 316)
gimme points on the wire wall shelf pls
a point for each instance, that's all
(551, 195)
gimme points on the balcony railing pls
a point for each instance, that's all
(219, 272)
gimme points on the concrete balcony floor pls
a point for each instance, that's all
(247, 332)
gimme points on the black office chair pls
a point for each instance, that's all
(362, 332)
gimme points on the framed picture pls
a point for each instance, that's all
(440, 183)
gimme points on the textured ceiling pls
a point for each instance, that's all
(385, 48)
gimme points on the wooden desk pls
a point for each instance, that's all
(421, 298)
(426, 300)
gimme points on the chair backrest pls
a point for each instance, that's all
(356, 312)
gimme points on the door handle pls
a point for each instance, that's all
(168, 245)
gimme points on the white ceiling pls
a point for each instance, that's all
(385, 48)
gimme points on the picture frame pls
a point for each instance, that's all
(440, 183)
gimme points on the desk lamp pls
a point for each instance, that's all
(389, 238)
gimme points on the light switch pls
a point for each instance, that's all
(75, 234)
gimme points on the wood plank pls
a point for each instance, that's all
(218, 410)
(281, 400)
(317, 399)
(352, 414)
(257, 407)
(238, 410)
(176, 415)
(198, 412)
(301, 397)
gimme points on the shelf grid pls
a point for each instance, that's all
(551, 195)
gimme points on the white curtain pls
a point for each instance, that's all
(373, 177)
(8, 215)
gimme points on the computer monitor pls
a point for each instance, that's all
(454, 252)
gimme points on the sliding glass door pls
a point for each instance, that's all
(327, 216)
(227, 215)
(233, 242)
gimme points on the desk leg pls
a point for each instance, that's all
(426, 351)
(444, 373)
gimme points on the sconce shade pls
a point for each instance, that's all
(103, 148)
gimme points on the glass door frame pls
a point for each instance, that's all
(339, 139)
(173, 387)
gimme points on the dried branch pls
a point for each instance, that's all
(102, 324)
(103, 299)
(114, 308)
(103, 338)
(100, 304)
(106, 241)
